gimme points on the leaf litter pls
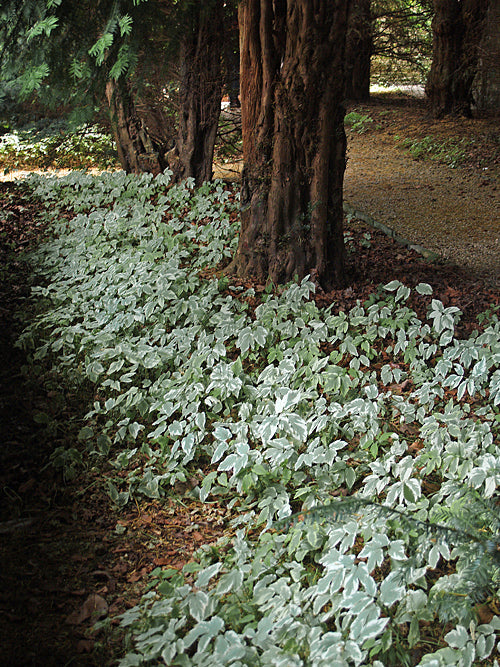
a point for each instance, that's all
(72, 550)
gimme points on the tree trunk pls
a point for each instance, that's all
(200, 93)
(359, 44)
(292, 87)
(457, 31)
(136, 149)
(487, 83)
(232, 55)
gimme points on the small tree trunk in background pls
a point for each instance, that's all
(457, 32)
(200, 92)
(136, 149)
(292, 87)
(487, 83)
(359, 44)
(232, 54)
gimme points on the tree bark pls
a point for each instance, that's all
(136, 149)
(200, 93)
(457, 31)
(487, 83)
(292, 87)
(359, 45)
(232, 55)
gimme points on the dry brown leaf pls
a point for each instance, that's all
(484, 613)
(94, 606)
(416, 446)
(85, 646)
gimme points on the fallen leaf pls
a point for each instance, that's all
(484, 613)
(137, 575)
(116, 606)
(416, 446)
(94, 605)
(159, 562)
(85, 646)
(120, 568)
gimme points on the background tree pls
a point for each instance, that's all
(200, 93)
(402, 40)
(457, 28)
(486, 88)
(390, 39)
(232, 53)
(89, 55)
(359, 48)
(292, 87)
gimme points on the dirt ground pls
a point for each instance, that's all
(454, 212)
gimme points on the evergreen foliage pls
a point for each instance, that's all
(65, 52)
(402, 40)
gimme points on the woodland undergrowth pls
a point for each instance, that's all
(357, 450)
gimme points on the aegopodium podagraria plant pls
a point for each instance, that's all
(277, 407)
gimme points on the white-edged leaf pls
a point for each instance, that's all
(424, 288)
(458, 637)
(205, 575)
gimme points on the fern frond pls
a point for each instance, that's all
(339, 510)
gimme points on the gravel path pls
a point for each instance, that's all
(452, 212)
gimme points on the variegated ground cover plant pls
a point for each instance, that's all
(56, 143)
(357, 450)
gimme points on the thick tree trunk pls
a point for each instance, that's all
(200, 93)
(292, 87)
(457, 31)
(358, 51)
(136, 149)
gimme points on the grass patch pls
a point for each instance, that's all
(358, 122)
(451, 152)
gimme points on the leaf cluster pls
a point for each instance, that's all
(57, 144)
(280, 408)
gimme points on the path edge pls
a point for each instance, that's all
(388, 231)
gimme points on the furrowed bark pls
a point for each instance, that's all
(136, 149)
(200, 93)
(358, 51)
(292, 88)
(457, 32)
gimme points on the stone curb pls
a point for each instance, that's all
(427, 254)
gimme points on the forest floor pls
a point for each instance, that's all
(448, 198)
(67, 555)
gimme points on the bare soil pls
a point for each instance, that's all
(454, 212)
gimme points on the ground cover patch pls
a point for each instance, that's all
(277, 402)
(56, 144)
(471, 144)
